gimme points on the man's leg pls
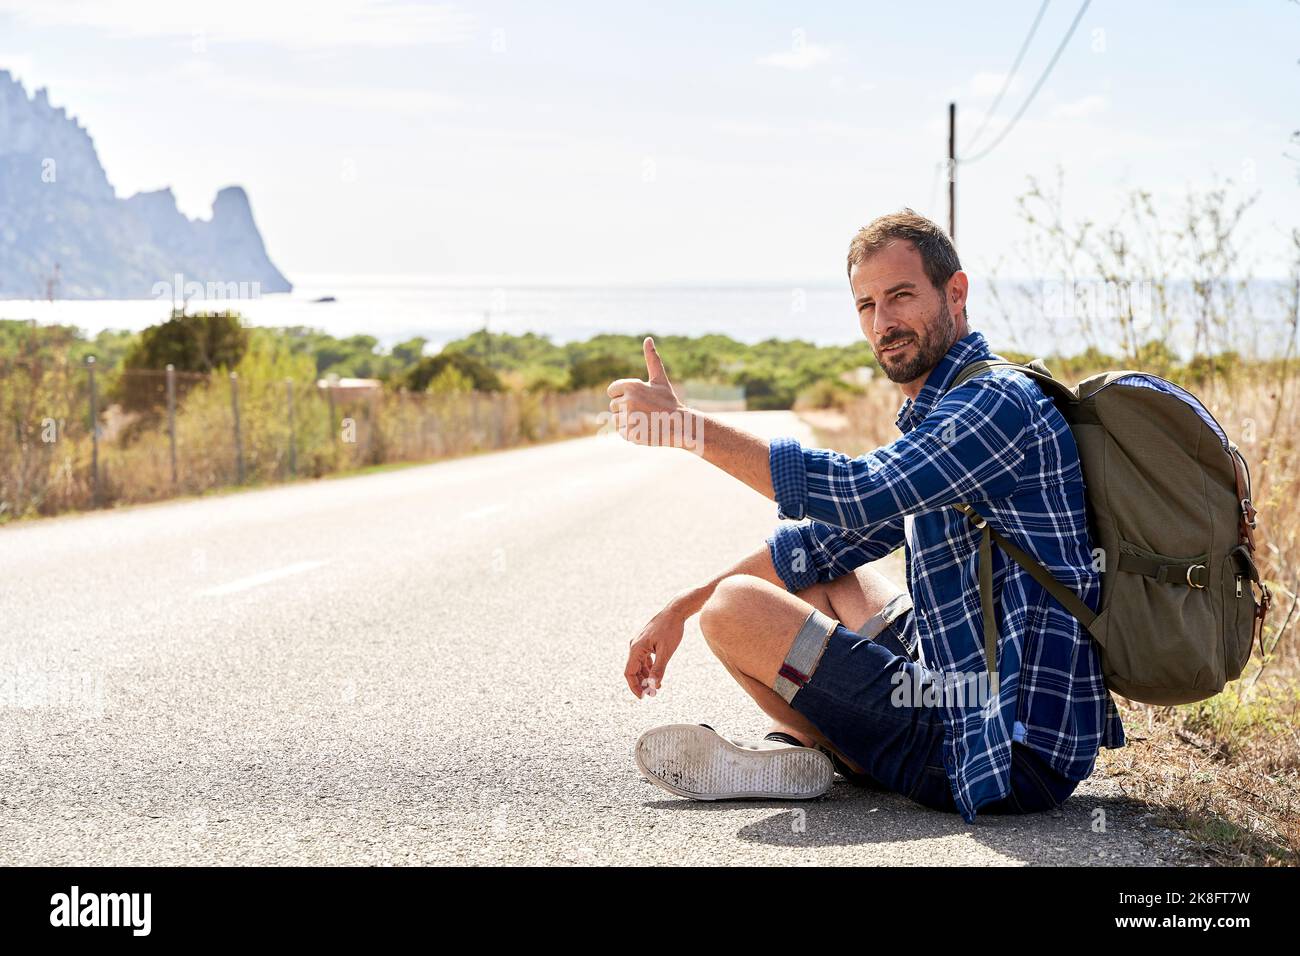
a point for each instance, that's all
(751, 624)
(808, 650)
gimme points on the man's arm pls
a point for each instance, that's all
(650, 651)
(759, 565)
(737, 452)
(805, 554)
(968, 449)
(649, 413)
(795, 557)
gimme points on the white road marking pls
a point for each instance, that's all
(266, 577)
(483, 512)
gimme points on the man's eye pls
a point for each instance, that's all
(901, 294)
(865, 306)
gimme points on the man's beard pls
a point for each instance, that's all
(931, 346)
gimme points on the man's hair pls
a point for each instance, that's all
(938, 256)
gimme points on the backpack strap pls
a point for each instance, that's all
(988, 537)
(1246, 549)
(971, 369)
(1247, 520)
(1067, 598)
(1035, 370)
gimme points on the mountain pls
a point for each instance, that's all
(59, 214)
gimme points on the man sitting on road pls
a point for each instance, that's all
(858, 675)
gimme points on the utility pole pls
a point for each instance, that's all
(952, 172)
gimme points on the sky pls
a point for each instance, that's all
(661, 142)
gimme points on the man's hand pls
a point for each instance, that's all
(648, 655)
(648, 413)
(650, 651)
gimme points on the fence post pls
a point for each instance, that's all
(371, 424)
(239, 439)
(403, 423)
(473, 421)
(171, 416)
(293, 453)
(94, 433)
(329, 392)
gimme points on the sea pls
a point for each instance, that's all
(1033, 316)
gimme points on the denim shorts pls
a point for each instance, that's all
(843, 681)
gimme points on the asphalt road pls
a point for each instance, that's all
(419, 666)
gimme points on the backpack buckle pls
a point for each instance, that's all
(973, 516)
(1261, 611)
(1248, 511)
(1190, 582)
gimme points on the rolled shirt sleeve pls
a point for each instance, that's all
(805, 554)
(789, 478)
(968, 449)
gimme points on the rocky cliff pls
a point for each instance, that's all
(64, 231)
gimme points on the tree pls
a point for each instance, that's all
(449, 381)
(202, 342)
(410, 351)
(599, 370)
(482, 378)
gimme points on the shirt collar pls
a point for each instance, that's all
(964, 351)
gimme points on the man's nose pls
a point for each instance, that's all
(883, 322)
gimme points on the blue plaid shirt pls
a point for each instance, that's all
(999, 444)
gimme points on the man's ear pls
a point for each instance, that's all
(958, 288)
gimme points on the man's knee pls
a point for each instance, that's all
(819, 596)
(732, 598)
(853, 598)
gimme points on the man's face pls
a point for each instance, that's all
(908, 322)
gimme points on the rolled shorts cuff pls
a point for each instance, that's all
(801, 660)
(877, 627)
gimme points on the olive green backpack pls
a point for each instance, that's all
(1170, 515)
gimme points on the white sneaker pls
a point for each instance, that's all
(693, 760)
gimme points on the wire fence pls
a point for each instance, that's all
(75, 437)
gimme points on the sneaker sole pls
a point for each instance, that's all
(694, 762)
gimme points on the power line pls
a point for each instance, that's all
(1011, 75)
(934, 185)
(1037, 86)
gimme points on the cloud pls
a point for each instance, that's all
(293, 24)
(987, 84)
(814, 128)
(1080, 108)
(752, 130)
(366, 98)
(802, 55)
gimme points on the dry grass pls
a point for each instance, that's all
(46, 448)
(1224, 772)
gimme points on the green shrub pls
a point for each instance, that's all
(424, 371)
